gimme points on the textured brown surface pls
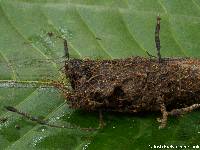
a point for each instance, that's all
(133, 84)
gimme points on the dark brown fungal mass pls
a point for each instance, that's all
(135, 84)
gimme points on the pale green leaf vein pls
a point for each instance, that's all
(23, 101)
(132, 36)
(55, 28)
(14, 75)
(21, 35)
(171, 32)
(36, 126)
(100, 45)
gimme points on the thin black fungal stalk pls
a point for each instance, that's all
(157, 38)
(66, 50)
(66, 55)
(42, 122)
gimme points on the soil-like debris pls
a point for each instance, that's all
(133, 84)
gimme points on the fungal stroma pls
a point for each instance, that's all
(134, 85)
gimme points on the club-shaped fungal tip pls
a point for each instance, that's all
(158, 17)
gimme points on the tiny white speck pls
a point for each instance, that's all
(199, 132)
(113, 127)
(85, 146)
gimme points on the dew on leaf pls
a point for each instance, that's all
(65, 33)
(37, 140)
(41, 129)
(86, 146)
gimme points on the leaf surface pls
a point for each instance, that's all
(96, 29)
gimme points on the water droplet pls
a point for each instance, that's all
(41, 129)
(17, 85)
(70, 36)
(17, 126)
(52, 120)
(86, 146)
(37, 140)
(65, 33)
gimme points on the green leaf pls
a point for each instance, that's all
(96, 29)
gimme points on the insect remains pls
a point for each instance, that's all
(132, 85)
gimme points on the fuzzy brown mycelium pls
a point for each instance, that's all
(134, 84)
